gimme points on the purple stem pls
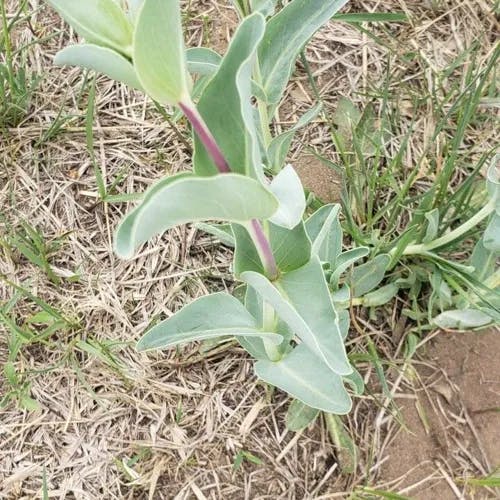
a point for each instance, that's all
(205, 136)
(255, 228)
(260, 240)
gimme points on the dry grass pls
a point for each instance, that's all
(183, 416)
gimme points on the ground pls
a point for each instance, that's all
(112, 423)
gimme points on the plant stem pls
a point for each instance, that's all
(254, 227)
(263, 246)
(206, 137)
(269, 325)
(452, 235)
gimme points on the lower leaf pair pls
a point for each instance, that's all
(290, 327)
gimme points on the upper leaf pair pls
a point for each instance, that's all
(150, 55)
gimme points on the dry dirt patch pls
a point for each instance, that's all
(452, 420)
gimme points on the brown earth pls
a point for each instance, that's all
(319, 178)
(452, 421)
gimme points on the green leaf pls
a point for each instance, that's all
(380, 296)
(254, 345)
(291, 249)
(280, 145)
(491, 237)
(208, 317)
(345, 261)
(483, 260)
(307, 378)
(28, 403)
(493, 182)
(347, 116)
(432, 225)
(203, 61)
(286, 34)
(355, 380)
(299, 416)
(302, 300)
(222, 232)
(159, 54)
(462, 319)
(101, 22)
(325, 232)
(100, 59)
(10, 373)
(382, 494)
(346, 449)
(367, 276)
(134, 7)
(344, 322)
(246, 257)
(226, 106)
(42, 317)
(185, 198)
(265, 7)
(287, 187)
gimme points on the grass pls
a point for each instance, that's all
(82, 408)
(17, 82)
(397, 194)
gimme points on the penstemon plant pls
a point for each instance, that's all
(294, 317)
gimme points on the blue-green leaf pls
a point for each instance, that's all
(286, 34)
(302, 300)
(491, 237)
(432, 225)
(344, 322)
(203, 61)
(287, 188)
(380, 296)
(208, 317)
(134, 6)
(101, 22)
(246, 257)
(299, 416)
(291, 249)
(159, 53)
(186, 198)
(265, 7)
(493, 182)
(367, 276)
(462, 319)
(345, 261)
(483, 260)
(355, 380)
(254, 345)
(325, 232)
(228, 113)
(100, 59)
(306, 377)
(222, 232)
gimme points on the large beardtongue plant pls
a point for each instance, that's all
(288, 264)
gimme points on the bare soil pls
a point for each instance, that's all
(451, 419)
